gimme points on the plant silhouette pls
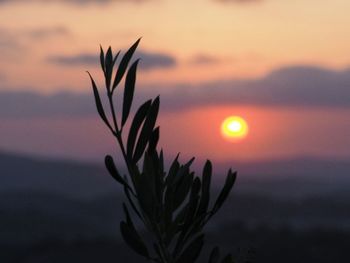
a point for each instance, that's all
(173, 205)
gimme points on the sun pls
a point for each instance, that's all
(234, 128)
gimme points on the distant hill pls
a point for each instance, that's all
(41, 198)
(65, 211)
(67, 178)
(286, 178)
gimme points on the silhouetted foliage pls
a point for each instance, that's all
(173, 205)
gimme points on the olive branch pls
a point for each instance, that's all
(173, 205)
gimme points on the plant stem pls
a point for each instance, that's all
(118, 133)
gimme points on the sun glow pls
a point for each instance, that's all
(234, 128)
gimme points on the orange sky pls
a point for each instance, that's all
(243, 41)
(247, 39)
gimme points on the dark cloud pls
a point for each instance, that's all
(298, 86)
(12, 46)
(76, 60)
(151, 60)
(8, 39)
(148, 60)
(16, 39)
(45, 32)
(26, 104)
(291, 86)
(202, 59)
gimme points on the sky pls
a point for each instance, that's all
(281, 65)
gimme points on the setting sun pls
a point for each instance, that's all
(234, 128)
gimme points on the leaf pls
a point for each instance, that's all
(147, 129)
(157, 162)
(175, 176)
(98, 102)
(172, 228)
(189, 163)
(182, 189)
(127, 215)
(133, 239)
(135, 126)
(174, 168)
(108, 68)
(153, 141)
(102, 60)
(115, 58)
(227, 259)
(124, 64)
(192, 251)
(230, 180)
(161, 164)
(190, 212)
(146, 195)
(168, 207)
(145, 188)
(214, 255)
(157, 250)
(129, 91)
(205, 195)
(193, 202)
(112, 169)
(127, 193)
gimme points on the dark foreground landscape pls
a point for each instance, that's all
(69, 212)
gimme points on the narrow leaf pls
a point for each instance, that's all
(174, 167)
(127, 215)
(193, 202)
(153, 141)
(127, 193)
(161, 164)
(214, 255)
(182, 189)
(108, 68)
(146, 195)
(227, 259)
(124, 64)
(112, 169)
(168, 207)
(147, 129)
(205, 195)
(102, 59)
(98, 102)
(192, 251)
(230, 180)
(133, 239)
(190, 212)
(129, 91)
(135, 126)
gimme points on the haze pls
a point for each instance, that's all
(281, 65)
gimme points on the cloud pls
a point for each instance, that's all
(290, 86)
(298, 86)
(77, 2)
(16, 39)
(26, 104)
(76, 60)
(46, 32)
(203, 59)
(155, 60)
(11, 45)
(8, 39)
(149, 60)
